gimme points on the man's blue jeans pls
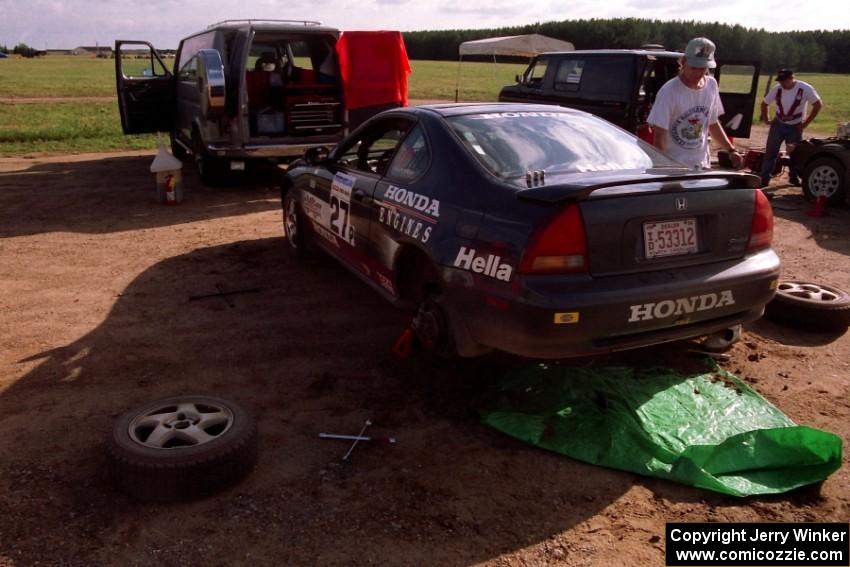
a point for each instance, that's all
(779, 132)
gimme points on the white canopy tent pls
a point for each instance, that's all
(510, 46)
(514, 45)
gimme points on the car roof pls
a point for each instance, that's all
(269, 26)
(641, 52)
(461, 108)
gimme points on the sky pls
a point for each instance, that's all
(58, 24)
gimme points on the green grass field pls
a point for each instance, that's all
(65, 127)
(95, 125)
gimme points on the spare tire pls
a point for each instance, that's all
(181, 448)
(813, 306)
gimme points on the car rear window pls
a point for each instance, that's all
(509, 144)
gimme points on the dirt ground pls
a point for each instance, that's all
(95, 280)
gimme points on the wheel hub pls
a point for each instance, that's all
(808, 291)
(823, 181)
(428, 326)
(179, 427)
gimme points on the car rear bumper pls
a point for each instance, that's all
(561, 317)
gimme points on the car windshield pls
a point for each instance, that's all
(509, 144)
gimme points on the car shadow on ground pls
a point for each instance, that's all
(308, 352)
(828, 231)
(792, 336)
(306, 349)
(115, 194)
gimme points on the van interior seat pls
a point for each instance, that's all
(257, 85)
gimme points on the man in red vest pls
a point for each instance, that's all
(791, 98)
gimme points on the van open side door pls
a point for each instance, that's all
(145, 88)
(738, 86)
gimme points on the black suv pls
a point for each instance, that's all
(619, 85)
(246, 89)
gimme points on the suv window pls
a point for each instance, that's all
(605, 77)
(737, 79)
(534, 76)
(568, 77)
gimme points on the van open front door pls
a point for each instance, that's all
(738, 83)
(145, 88)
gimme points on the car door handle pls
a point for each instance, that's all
(360, 195)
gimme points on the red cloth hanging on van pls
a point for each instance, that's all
(374, 68)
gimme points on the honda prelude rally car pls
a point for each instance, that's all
(541, 231)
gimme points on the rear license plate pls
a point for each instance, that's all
(670, 238)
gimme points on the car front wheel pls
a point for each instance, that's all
(293, 228)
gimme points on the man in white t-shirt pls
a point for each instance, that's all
(687, 108)
(792, 99)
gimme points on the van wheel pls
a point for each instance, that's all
(181, 448)
(810, 305)
(177, 149)
(210, 169)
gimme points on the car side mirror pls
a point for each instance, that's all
(211, 83)
(519, 79)
(317, 155)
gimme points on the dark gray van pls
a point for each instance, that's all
(240, 89)
(619, 85)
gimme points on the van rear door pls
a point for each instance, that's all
(145, 88)
(738, 86)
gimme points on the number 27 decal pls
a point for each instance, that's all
(340, 219)
(340, 202)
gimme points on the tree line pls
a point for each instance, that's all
(812, 51)
(21, 49)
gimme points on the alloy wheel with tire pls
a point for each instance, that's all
(293, 227)
(432, 328)
(810, 305)
(825, 177)
(181, 448)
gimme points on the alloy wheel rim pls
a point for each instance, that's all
(429, 326)
(291, 223)
(181, 425)
(809, 291)
(823, 181)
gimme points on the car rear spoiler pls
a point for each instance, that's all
(561, 192)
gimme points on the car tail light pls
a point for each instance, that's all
(560, 247)
(761, 228)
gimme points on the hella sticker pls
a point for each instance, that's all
(680, 306)
(488, 265)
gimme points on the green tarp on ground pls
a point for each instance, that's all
(706, 430)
